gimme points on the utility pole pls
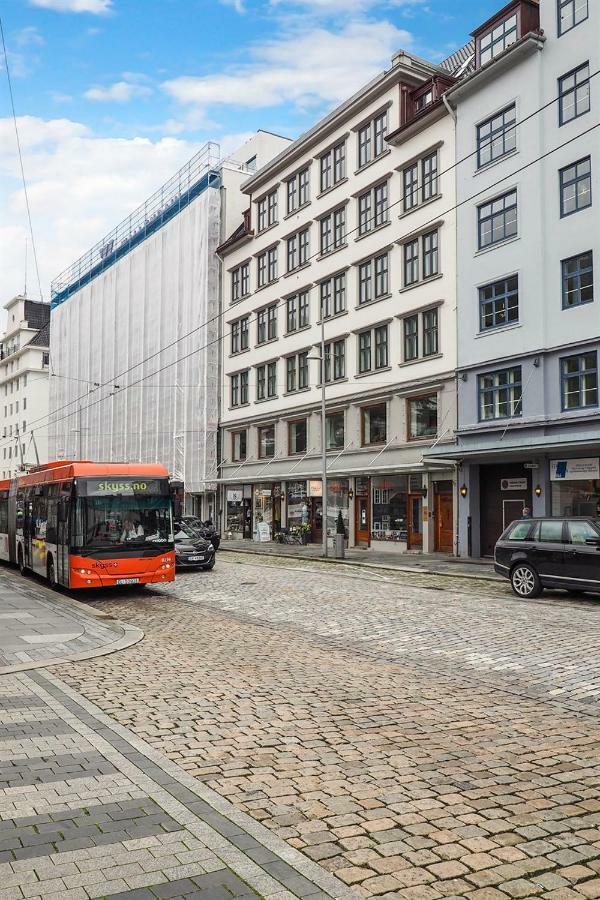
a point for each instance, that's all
(323, 433)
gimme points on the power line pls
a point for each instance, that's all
(120, 390)
(14, 115)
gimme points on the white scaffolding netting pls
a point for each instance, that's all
(164, 288)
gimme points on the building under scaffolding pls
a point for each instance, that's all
(135, 328)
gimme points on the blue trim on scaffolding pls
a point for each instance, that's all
(211, 179)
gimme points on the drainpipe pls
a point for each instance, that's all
(451, 111)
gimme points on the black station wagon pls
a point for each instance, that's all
(550, 553)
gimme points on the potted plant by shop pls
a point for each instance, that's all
(340, 536)
(305, 532)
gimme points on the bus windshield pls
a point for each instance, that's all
(114, 520)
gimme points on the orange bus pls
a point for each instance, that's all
(86, 525)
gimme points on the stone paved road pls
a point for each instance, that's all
(418, 737)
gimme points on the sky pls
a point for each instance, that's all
(113, 96)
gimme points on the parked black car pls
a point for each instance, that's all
(550, 553)
(191, 550)
(205, 529)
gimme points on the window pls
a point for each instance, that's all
(424, 101)
(333, 166)
(430, 176)
(239, 389)
(373, 208)
(333, 296)
(334, 431)
(579, 379)
(576, 187)
(519, 531)
(298, 250)
(374, 424)
(500, 394)
(267, 211)
(581, 531)
(497, 220)
(577, 280)
(239, 335)
(570, 14)
(267, 267)
(410, 180)
(297, 372)
(238, 445)
(499, 303)
(498, 39)
(371, 140)
(423, 248)
(411, 338)
(266, 324)
(240, 282)
(422, 417)
(297, 432)
(373, 349)
(266, 381)
(297, 312)
(497, 136)
(430, 332)
(373, 279)
(45, 359)
(298, 190)
(335, 352)
(266, 441)
(574, 94)
(549, 531)
(333, 230)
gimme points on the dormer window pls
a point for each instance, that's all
(498, 39)
(423, 101)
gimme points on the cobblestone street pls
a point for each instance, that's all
(418, 736)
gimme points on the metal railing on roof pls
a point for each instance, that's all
(201, 171)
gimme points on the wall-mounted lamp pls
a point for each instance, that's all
(536, 362)
(283, 495)
(350, 494)
(464, 377)
(464, 490)
(537, 490)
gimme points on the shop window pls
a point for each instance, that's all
(334, 432)
(337, 502)
(297, 436)
(263, 506)
(422, 417)
(579, 381)
(577, 280)
(297, 504)
(497, 136)
(266, 441)
(389, 508)
(374, 424)
(575, 187)
(239, 441)
(576, 496)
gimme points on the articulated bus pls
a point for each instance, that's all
(86, 525)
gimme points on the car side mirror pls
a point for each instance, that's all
(595, 542)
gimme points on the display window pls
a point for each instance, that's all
(389, 508)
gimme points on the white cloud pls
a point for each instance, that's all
(238, 5)
(28, 37)
(304, 67)
(97, 7)
(119, 92)
(80, 186)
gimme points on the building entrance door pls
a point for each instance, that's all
(415, 521)
(316, 519)
(362, 511)
(444, 525)
(504, 492)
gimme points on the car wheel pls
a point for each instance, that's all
(525, 581)
(210, 566)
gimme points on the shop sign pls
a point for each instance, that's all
(234, 496)
(263, 531)
(315, 488)
(513, 484)
(262, 492)
(362, 487)
(575, 469)
(415, 483)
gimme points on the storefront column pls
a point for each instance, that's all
(469, 529)
(542, 505)
(428, 519)
(352, 515)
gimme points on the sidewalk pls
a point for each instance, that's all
(424, 564)
(88, 810)
(39, 626)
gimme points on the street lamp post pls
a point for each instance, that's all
(321, 359)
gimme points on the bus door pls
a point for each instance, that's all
(62, 542)
(27, 533)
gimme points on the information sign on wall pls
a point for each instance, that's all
(575, 469)
(513, 484)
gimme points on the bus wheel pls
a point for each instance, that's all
(21, 563)
(52, 574)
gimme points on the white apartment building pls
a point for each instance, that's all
(354, 221)
(135, 329)
(24, 374)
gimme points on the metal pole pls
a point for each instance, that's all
(323, 434)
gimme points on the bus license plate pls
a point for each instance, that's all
(128, 580)
(196, 558)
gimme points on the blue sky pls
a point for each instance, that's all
(114, 95)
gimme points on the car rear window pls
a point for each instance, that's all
(579, 532)
(519, 531)
(550, 531)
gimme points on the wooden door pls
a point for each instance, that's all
(362, 515)
(316, 520)
(415, 521)
(444, 525)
